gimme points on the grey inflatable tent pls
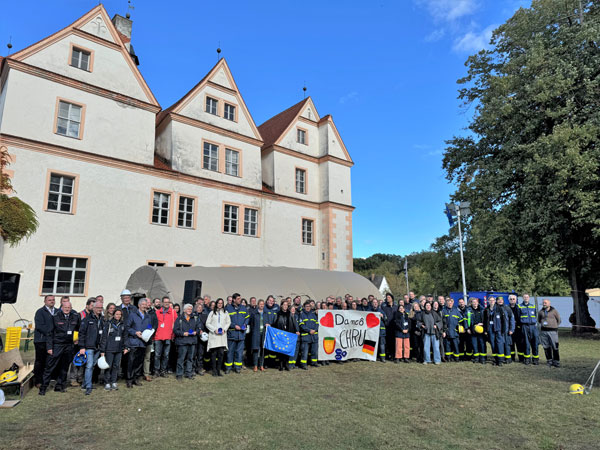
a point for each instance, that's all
(256, 282)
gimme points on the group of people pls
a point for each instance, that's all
(155, 337)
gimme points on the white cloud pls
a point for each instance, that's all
(435, 35)
(449, 10)
(472, 41)
(349, 97)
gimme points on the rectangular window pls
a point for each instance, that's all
(161, 207)
(250, 222)
(183, 265)
(230, 219)
(301, 136)
(229, 112)
(232, 162)
(157, 263)
(307, 231)
(301, 181)
(212, 105)
(68, 122)
(185, 217)
(211, 156)
(60, 193)
(64, 275)
(80, 59)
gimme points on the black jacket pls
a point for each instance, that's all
(113, 337)
(90, 332)
(126, 311)
(63, 327)
(182, 325)
(43, 325)
(399, 320)
(286, 321)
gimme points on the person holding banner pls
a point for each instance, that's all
(382, 330)
(309, 332)
(217, 323)
(287, 322)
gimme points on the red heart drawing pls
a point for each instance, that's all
(372, 320)
(327, 320)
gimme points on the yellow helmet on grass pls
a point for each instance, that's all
(8, 376)
(576, 389)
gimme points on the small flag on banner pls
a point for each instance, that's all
(280, 341)
(369, 347)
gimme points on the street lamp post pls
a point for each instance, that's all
(462, 209)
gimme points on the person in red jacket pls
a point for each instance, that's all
(166, 317)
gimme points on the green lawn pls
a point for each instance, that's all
(354, 405)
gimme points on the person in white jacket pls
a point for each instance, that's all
(217, 323)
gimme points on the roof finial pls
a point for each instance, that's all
(129, 7)
(9, 45)
(304, 89)
(219, 52)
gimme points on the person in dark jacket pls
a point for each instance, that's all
(382, 329)
(43, 326)
(60, 347)
(495, 325)
(271, 309)
(509, 331)
(286, 321)
(516, 345)
(127, 308)
(416, 333)
(295, 312)
(389, 309)
(431, 324)
(235, 335)
(90, 333)
(258, 326)
(112, 347)
(475, 318)
(309, 332)
(186, 337)
(137, 322)
(452, 319)
(200, 344)
(402, 334)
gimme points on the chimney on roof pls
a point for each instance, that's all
(123, 26)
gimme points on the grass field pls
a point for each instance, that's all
(353, 405)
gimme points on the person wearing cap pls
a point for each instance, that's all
(60, 347)
(549, 320)
(510, 329)
(236, 333)
(165, 321)
(217, 323)
(41, 335)
(528, 318)
(112, 348)
(90, 333)
(475, 319)
(138, 321)
(186, 335)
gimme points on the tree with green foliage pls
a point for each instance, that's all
(17, 219)
(530, 164)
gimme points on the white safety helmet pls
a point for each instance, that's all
(102, 364)
(147, 334)
(204, 337)
(125, 292)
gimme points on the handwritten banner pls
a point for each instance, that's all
(345, 334)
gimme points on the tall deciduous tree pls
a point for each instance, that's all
(531, 163)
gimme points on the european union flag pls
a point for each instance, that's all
(280, 341)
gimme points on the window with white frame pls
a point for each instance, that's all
(161, 208)
(307, 231)
(61, 193)
(250, 222)
(64, 275)
(232, 162)
(80, 59)
(301, 136)
(156, 264)
(212, 105)
(211, 156)
(301, 181)
(230, 219)
(68, 122)
(229, 112)
(185, 217)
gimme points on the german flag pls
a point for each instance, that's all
(369, 347)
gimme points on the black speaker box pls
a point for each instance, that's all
(191, 291)
(9, 287)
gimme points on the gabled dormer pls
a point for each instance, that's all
(210, 132)
(91, 50)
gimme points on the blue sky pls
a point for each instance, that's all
(386, 71)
